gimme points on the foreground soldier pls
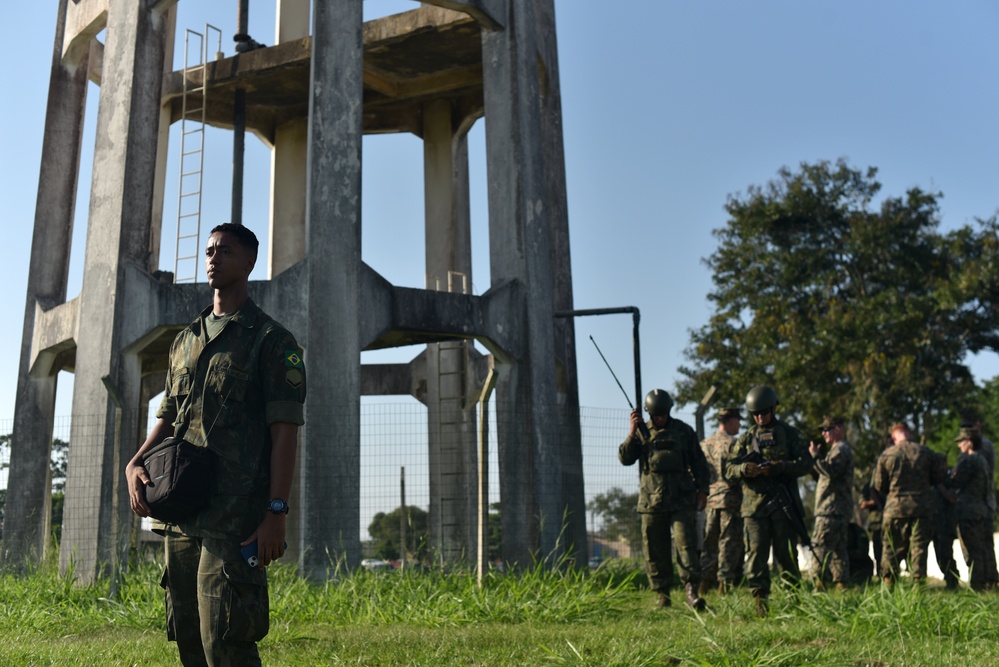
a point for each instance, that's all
(833, 503)
(236, 385)
(721, 557)
(783, 458)
(905, 476)
(673, 488)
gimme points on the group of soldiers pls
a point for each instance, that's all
(747, 486)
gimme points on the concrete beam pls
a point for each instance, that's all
(84, 21)
(492, 14)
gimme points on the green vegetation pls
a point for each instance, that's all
(537, 617)
(848, 302)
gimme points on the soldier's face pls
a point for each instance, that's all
(763, 418)
(731, 425)
(227, 262)
(832, 434)
(660, 420)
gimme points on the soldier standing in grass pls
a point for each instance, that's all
(904, 477)
(833, 503)
(768, 459)
(236, 385)
(970, 478)
(721, 557)
(673, 488)
(973, 421)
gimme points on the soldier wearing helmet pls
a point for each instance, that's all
(769, 454)
(673, 488)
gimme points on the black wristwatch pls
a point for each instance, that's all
(277, 506)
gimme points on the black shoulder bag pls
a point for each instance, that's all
(181, 475)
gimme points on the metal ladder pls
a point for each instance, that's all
(452, 362)
(187, 251)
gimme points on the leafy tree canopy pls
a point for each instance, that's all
(844, 306)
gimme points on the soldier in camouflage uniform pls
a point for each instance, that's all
(236, 385)
(722, 554)
(904, 477)
(970, 478)
(673, 488)
(973, 421)
(833, 503)
(783, 458)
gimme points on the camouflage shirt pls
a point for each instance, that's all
(783, 447)
(224, 394)
(722, 493)
(971, 479)
(905, 476)
(834, 491)
(674, 469)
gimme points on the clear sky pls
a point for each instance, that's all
(669, 107)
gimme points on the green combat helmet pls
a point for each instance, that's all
(658, 403)
(761, 398)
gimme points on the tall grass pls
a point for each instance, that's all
(538, 616)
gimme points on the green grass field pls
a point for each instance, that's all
(602, 618)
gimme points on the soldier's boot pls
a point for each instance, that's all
(663, 601)
(704, 588)
(724, 588)
(762, 605)
(694, 601)
(841, 586)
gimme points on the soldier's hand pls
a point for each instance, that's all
(814, 449)
(752, 470)
(635, 421)
(867, 504)
(137, 480)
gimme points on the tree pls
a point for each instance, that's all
(617, 510)
(386, 534)
(842, 307)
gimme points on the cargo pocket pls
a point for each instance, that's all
(245, 613)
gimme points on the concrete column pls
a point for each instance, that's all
(29, 493)
(288, 188)
(520, 249)
(118, 234)
(560, 267)
(451, 422)
(331, 446)
(288, 158)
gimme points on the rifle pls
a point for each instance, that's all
(782, 498)
(642, 428)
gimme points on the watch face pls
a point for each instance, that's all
(277, 506)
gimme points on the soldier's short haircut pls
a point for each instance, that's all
(899, 425)
(246, 237)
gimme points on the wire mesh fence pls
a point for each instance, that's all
(395, 464)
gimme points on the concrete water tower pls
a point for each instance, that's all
(433, 72)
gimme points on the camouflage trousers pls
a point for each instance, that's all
(976, 542)
(216, 604)
(762, 533)
(658, 543)
(722, 553)
(830, 541)
(906, 539)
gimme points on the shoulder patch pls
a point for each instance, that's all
(292, 359)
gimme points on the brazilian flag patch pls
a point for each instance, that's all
(292, 359)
